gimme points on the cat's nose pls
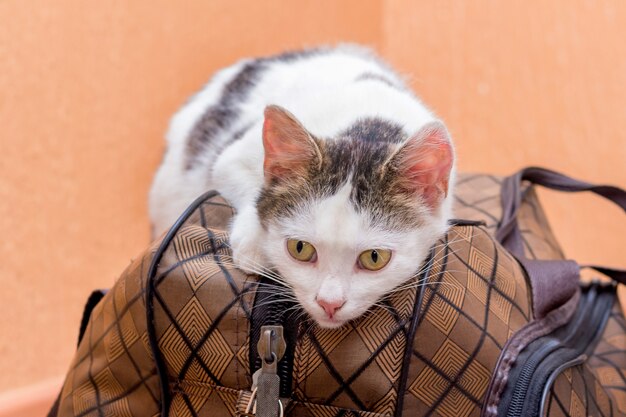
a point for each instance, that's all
(330, 306)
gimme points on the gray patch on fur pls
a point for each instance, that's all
(375, 129)
(239, 134)
(370, 76)
(375, 186)
(223, 114)
(295, 55)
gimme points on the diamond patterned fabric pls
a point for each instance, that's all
(475, 299)
(428, 349)
(477, 197)
(113, 372)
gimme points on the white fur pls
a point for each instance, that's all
(339, 235)
(322, 94)
(174, 188)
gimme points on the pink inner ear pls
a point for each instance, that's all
(425, 163)
(288, 146)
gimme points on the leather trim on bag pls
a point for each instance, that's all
(91, 303)
(591, 347)
(517, 343)
(166, 398)
(406, 361)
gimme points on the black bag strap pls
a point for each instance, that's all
(92, 302)
(511, 197)
(549, 277)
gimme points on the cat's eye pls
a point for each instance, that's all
(301, 250)
(374, 259)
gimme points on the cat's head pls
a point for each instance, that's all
(350, 219)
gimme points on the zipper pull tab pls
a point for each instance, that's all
(271, 348)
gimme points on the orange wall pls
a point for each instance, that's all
(86, 90)
(520, 84)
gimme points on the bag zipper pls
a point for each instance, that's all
(270, 309)
(538, 364)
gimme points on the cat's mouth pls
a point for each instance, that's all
(330, 323)
(326, 322)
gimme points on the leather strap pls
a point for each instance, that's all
(552, 281)
(511, 197)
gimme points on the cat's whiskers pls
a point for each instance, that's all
(278, 300)
(284, 293)
(252, 271)
(256, 269)
(296, 306)
(249, 265)
(372, 312)
(275, 297)
(310, 326)
(382, 305)
(441, 283)
(249, 261)
(273, 289)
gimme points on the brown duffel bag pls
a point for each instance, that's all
(496, 323)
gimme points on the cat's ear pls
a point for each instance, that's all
(289, 147)
(423, 163)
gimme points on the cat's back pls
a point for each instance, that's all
(326, 88)
(236, 96)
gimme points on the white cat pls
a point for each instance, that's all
(340, 176)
